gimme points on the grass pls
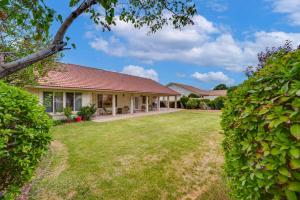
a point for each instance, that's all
(168, 156)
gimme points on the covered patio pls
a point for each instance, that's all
(113, 104)
(128, 116)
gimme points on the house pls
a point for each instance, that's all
(113, 93)
(186, 90)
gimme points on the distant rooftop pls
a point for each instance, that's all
(199, 91)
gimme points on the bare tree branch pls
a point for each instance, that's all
(56, 46)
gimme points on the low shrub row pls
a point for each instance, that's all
(203, 104)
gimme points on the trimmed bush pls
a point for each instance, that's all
(24, 137)
(68, 112)
(87, 112)
(183, 100)
(192, 104)
(203, 105)
(261, 122)
(219, 102)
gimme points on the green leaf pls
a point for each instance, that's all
(295, 130)
(295, 153)
(295, 164)
(275, 151)
(290, 195)
(67, 38)
(282, 179)
(73, 45)
(294, 186)
(284, 171)
(59, 17)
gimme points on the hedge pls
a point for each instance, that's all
(261, 122)
(24, 137)
(192, 103)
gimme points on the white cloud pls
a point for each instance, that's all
(180, 75)
(289, 7)
(217, 5)
(141, 72)
(219, 77)
(204, 44)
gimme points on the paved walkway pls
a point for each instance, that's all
(128, 116)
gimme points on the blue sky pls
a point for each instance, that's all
(225, 39)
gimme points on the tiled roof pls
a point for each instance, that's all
(194, 90)
(200, 92)
(80, 77)
(218, 93)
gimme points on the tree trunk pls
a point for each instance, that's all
(56, 46)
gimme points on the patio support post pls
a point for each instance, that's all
(158, 103)
(175, 106)
(114, 105)
(168, 102)
(147, 104)
(131, 104)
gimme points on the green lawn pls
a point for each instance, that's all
(167, 156)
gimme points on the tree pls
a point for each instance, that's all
(221, 87)
(33, 18)
(263, 56)
(193, 95)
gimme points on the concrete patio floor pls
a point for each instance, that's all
(128, 116)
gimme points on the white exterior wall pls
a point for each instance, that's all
(86, 98)
(90, 97)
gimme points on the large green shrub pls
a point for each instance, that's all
(261, 122)
(87, 112)
(183, 100)
(24, 137)
(219, 102)
(192, 104)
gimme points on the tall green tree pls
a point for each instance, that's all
(221, 86)
(33, 18)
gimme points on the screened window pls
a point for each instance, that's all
(58, 102)
(105, 101)
(78, 101)
(74, 100)
(48, 101)
(70, 100)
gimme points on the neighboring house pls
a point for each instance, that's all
(186, 90)
(112, 93)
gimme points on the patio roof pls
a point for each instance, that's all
(73, 76)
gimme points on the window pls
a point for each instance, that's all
(136, 102)
(58, 102)
(78, 101)
(74, 100)
(105, 101)
(70, 100)
(48, 101)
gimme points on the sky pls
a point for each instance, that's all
(225, 39)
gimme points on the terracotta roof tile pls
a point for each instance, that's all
(80, 77)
